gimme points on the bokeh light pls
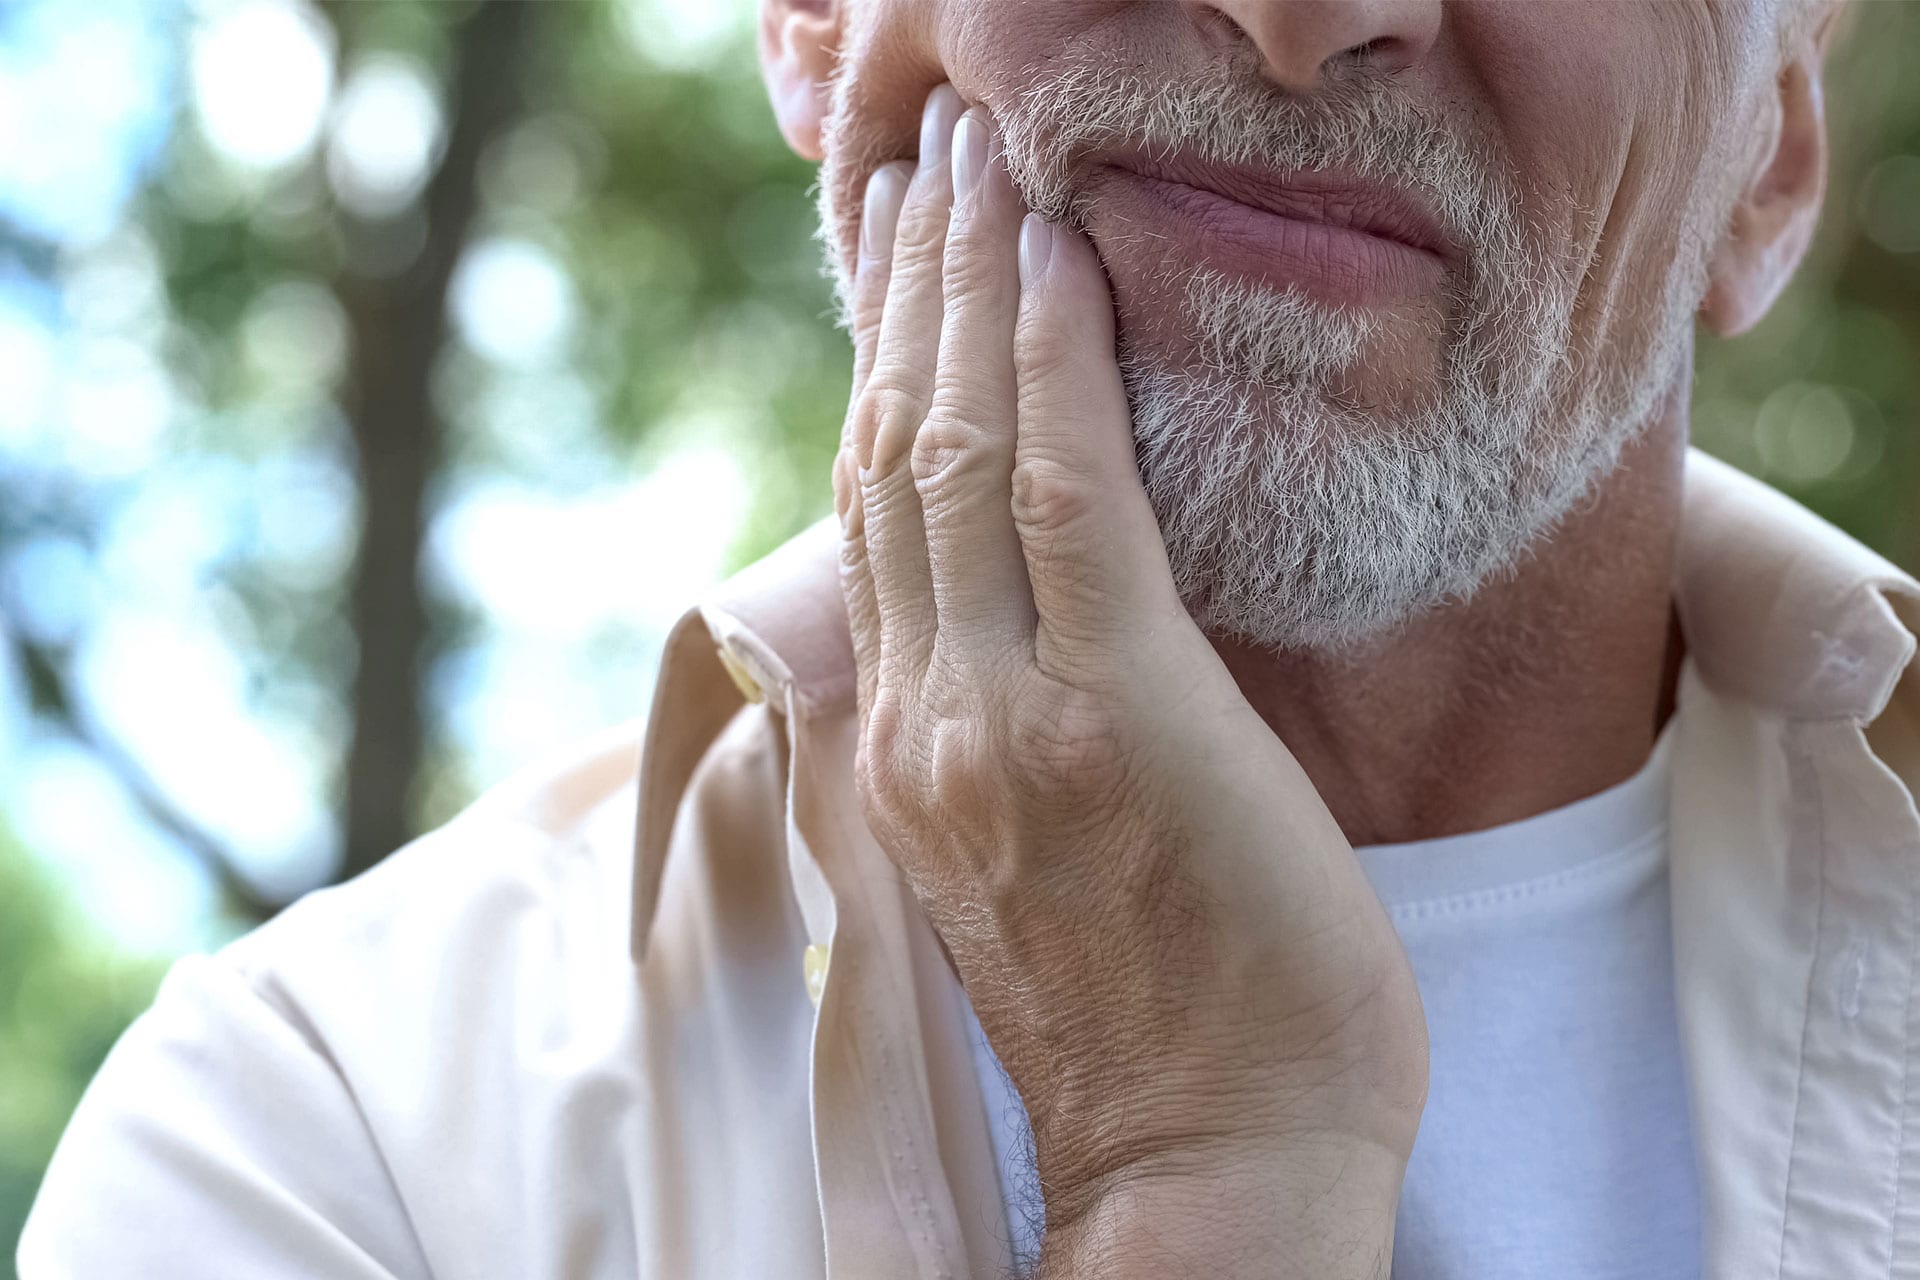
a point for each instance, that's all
(262, 78)
(285, 298)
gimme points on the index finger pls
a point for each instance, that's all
(879, 215)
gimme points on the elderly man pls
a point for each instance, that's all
(1284, 765)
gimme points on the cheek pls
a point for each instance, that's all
(887, 72)
(1600, 110)
(1565, 119)
(896, 51)
(992, 48)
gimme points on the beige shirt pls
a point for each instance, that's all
(532, 1045)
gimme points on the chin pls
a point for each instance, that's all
(1277, 350)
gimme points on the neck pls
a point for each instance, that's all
(1548, 685)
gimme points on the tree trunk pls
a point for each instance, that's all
(397, 323)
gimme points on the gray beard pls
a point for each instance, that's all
(1293, 519)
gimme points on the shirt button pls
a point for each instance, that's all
(813, 966)
(742, 678)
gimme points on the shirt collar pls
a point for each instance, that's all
(1779, 608)
(1783, 610)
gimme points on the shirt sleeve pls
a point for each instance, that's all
(218, 1142)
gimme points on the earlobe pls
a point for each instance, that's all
(799, 42)
(1773, 221)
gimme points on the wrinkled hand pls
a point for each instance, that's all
(1166, 937)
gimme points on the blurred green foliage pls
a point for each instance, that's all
(66, 993)
(649, 171)
(636, 161)
(1823, 397)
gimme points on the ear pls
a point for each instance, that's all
(1774, 218)
(799, 44)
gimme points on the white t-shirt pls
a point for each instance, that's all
(1556, 1140)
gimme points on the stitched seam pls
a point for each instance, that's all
(1519, 891)
(875, 1066)
(880, 1070)
(1906, 1088)
(874, 1058)
(1800, 762)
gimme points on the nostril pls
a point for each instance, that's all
(1305, 43)
(1220, 29)
(1382, 55)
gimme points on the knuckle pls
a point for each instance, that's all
(971, 270)
(866, 323)
(888, 410)
(1053, 395)
(1070, 748)
(1050, 350)
(1043, 362)
(922, 229)
(1048, 498)
(928, 787)
(949, 447)
(883, 773)
(959, 770)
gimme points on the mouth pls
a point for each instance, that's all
(1339, 238)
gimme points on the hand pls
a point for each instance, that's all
(1166, 937)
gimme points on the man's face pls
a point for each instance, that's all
(1384, 323)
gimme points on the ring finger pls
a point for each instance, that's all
(895, 402)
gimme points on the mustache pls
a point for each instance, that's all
(1090, 103)
(1056, 131)
(1505, 318)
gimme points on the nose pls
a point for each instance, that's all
(1306, 42)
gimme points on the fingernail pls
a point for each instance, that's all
(1036, 248)
(944, 106)
(969, 154)
(881, 212)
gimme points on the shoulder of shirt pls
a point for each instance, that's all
(556, 843)
(548, 841)
(1785, 611)
(455, 1002)
(526, 893)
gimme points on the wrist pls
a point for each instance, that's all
(1101, 1103)
(1320, 1207)
(1193, 1126)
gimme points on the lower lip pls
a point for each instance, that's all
(1334, 264)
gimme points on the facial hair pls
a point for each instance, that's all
(1295, 515)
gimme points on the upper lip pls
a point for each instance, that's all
(1309, 195)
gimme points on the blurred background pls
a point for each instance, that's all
(379, 380)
